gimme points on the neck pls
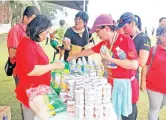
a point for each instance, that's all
(163, 46)
(135, 31)
(24, 22)
(112, 37)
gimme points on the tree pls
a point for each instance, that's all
(50, 9)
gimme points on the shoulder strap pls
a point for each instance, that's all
(153, 55)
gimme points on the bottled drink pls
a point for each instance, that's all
(121, 53)
(79, 66)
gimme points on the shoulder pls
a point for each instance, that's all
(124, 38)
(14, 28)
(69, 29)
(143, 36)
(27, 42)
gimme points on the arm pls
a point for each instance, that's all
(86, 52)
(143, 77)
(42, 69)
(127, 64)
(143, 57)
(68, 35)
(66, 45)
(144, 48)
(12, 52)
(13, 41)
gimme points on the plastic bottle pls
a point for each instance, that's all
(121, 53)
(103, 49)
(73, 66)
(79, 66)
(85, 67)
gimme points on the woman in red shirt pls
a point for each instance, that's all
(154, 78)
(32, 63)
(121, 69)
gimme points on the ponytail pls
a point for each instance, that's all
(138, 22)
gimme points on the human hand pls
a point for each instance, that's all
(66, 41)
(71, 58)
(104, 56)
(143, 86)
(58, 65)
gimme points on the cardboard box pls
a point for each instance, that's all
(5, 113)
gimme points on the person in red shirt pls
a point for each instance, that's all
(125, 63)
(32, 64)
(17, 33)
(155, 78)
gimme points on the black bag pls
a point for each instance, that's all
(9, 67)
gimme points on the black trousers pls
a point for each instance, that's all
(133, 115)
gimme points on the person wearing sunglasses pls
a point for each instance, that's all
(76, 37)
(121, 69)
(154, 76)
(33, 68)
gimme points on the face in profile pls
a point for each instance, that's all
(103, 32)
(44, 34)
(128, 28)
(29, 19)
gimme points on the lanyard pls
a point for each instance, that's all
(113, 41)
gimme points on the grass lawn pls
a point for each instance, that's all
(7, 94)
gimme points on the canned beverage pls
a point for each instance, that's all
(89, 100)
(63, 96)
(98, 102)
(79, 99)
(106, 101)
(71, 107)
(107, 91)
(79, 110)
(71, 96)
(92, 73)
(89, 97)
(89, 92)
(79, 96)
(98, 93)
(103, 80)
(71, 85)
(79, 91)
(107, 108)
(99, 112)
(89, 112)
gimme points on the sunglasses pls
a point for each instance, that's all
(99, 28)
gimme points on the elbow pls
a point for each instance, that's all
(135, 65)
(141, 64)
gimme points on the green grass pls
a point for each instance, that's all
(7, 86)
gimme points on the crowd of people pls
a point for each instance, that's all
(33, 67)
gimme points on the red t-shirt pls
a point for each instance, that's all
(125, 43)
(29, 54)
(156, 77)
(15, 35)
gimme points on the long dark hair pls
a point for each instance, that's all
(138, 22)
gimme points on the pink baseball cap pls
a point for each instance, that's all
(102, 20)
